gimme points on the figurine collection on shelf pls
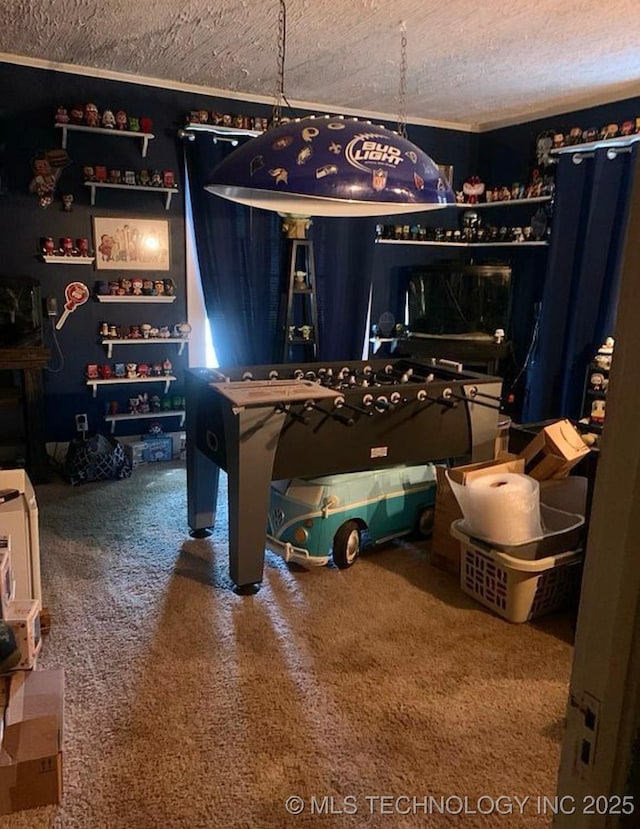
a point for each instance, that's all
(472, 231)
(556, 138)
(145, 331)
(143, 403)
(595, 395)
(66, 246)
(88, 115)
(219, 119)
(475, 191)
(128, 371)
(142, 178)
(135, 286)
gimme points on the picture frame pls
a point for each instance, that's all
(131, 244)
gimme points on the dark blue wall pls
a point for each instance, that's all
(503, 157)
(28, 102)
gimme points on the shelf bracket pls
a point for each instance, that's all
(94, 386)
(93, 193)
(145, 145)
(168, 200)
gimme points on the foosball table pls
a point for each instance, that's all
(271, 422)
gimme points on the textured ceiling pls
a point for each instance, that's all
(470, 64)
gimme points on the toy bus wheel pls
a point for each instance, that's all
(425, 521)
(346, 545)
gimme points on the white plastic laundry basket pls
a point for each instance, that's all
(515, 588)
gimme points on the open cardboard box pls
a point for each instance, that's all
(554, 451)
(445, 550)
(31, 752)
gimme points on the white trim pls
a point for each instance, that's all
(564, 106)
(163, 83)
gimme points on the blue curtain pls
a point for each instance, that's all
(580, 296)
(242, 259)
(239, 255)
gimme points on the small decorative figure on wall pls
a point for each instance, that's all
(48, 246)
(82, 246)
(76, 293)
(67, 202)
(473, 189)
(91, 115)
(47, 166)
(66, 246)
(43, 183)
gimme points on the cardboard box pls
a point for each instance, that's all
(157, 448)
(31, 753)
(23, 617)
(135, 453)
(554, 451)
(445, 550)
(7, 582)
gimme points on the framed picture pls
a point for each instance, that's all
(446, 171)
(131, 244)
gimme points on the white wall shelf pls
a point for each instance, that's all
(462, 244)
(134, 299)
(167, 379)
(113, 419)
(503, 203)
(590, 146)
(104, 185)
(68, 260)
(144, 137)
(110, 342)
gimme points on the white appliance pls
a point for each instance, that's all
(19, 525)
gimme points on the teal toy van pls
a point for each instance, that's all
(312, 520)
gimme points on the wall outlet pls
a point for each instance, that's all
(82, 424)
(52, 306)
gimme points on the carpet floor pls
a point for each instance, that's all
(377, 696)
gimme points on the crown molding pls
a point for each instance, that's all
(210, 91)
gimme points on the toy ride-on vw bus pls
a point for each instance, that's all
(310, 518)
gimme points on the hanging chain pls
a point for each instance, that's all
(402, 102)
(282, 46)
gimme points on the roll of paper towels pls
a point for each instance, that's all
(502, 508)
